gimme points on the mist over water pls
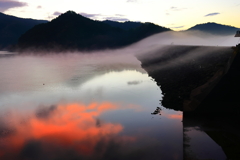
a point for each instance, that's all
(156, 41)
(175, 49)
(196, 38)
(31, 73)
(85, 106)
(28, 72)
(96, 105)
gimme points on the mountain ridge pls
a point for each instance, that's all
(123, 25)
(11, 28)
(120, 33)
(214, 28)
(72, 31)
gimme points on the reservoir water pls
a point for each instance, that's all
(93, 107)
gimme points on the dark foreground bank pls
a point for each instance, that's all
(203, 82)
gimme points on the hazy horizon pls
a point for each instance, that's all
(177, 15)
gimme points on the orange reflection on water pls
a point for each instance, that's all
(174, 116)
(73, 125)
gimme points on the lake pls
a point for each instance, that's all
(89, 106)
(106, 106)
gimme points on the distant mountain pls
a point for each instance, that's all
(11, 28)
(71, 31)
(215, 28)
(123, 25)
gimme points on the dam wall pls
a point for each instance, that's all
(204, 83)
(196, 79)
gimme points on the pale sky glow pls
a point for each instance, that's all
(175, 14)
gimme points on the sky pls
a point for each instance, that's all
(174, 14)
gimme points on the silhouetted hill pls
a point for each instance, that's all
(11, 28)
(146, 30)
(71, 31)
(123, 25)
(215, 28)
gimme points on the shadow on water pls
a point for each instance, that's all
(203, 82)
(211, 137)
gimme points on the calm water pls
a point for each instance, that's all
(84, 107)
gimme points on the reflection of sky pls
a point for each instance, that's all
(202, 145)
(22, 78)
(69, 125)
(84, 110)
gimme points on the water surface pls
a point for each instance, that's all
(84, 107)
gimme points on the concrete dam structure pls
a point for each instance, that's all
(199, 79)
(203, 82)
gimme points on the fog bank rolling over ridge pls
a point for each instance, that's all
(172, 38)
(113, 34)
(196, 38)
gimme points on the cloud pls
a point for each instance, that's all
(177, 27)
(177, 9)
(53, 15)
(174, 116)
(45, 112)
(132, 0)
(117, 19)
(90, 15)
(50, 17)
(212, 14)
(174, 9)
(57, 13)
(7, 4)
(120, 15)
(74, 130)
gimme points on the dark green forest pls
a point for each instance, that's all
(72, 31)
(214, 28)
(11, 28)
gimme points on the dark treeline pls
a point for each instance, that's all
(11, 28)
(214, 28)
(123, 25)
(71, 31)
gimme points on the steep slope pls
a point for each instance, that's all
(71, 31)
(186, 74)
(123, 25)
(11, 28)
(215, 28)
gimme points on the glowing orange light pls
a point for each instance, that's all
(72, 125)
(175, 116)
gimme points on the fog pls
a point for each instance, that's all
(161, 44)
(174, 49)
(171, 48)
(188, 38)
(47, 81)
(170, 38)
